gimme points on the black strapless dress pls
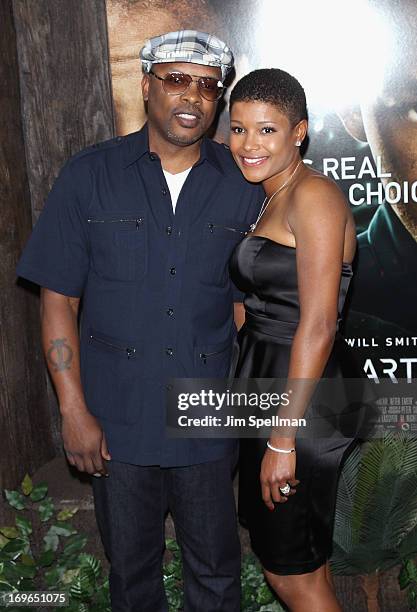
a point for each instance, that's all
(296, 537)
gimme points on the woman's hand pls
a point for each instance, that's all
(276, 470)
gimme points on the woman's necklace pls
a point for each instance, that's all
(267, 200)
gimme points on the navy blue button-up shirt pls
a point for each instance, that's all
(156, 291)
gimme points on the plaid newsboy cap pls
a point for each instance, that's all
(187, 46)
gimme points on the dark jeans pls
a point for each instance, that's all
(131, 506)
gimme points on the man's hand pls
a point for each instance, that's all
(84, 442)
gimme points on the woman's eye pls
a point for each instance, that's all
(267, 130)
(236, 130)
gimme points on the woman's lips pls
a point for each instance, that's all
(253, 162)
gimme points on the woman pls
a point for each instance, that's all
(295, 268)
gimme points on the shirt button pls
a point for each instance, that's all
(169, 387)
(170, 312)
(173, 271)
(153, 157)
(164, 191)
(168, 230)
(169, 351)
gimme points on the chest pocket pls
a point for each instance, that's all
(119, 245)
(219, 239)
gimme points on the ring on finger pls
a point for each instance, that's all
(285, 489)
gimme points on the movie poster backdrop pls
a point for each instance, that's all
(357, 61)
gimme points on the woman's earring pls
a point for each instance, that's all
(298, 143)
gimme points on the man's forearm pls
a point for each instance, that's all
(61, 344)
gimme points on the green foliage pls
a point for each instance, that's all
(15, 499)
(46, 509)
(39, 492)
(66, 514)
(173, 577)
(376, 510)
(408, 580)
(27, 485)
(62, 564)
(256, 595)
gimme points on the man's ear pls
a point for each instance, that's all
(351, 117)
(145, 87)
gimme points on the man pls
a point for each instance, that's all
(130, 23)
(141, 228)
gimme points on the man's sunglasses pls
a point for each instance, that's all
(176, 83)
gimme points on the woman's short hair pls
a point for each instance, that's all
(273, 86)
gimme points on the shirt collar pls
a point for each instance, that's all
(137, 145)
(208, 153)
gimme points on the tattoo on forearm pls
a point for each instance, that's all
(60, 355)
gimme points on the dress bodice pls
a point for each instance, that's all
(266, 271)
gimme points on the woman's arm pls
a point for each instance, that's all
(317, 217)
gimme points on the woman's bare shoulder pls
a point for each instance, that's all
(316, 192)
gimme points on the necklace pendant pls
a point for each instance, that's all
(252, 228)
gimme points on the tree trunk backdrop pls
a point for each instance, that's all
(56, 99)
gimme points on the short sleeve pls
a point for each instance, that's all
(56, 254)
(256, 197)
(237, 295)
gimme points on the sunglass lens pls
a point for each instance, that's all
(176, 82)
(210, 88)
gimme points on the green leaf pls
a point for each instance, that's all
(91, 562)
(9, 532)
(272, 607)
(23, 525)
(172, 545)
(69, 561)
(411, 569)
(27, 560)
(51, 540)
(26, 571)
(66, 514)
(15, 499)
(39, 492)
(69, 575)
(264, 595)
(26, 584)
(3, 541)
(15, 548)
(52, 576)
(27, 485)
(408, 574)
(412, 598)
(47, 558)
(403, 578)
(46, 509)
(63, 530)
(83, 585)
(5, 586)
(75, 544)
